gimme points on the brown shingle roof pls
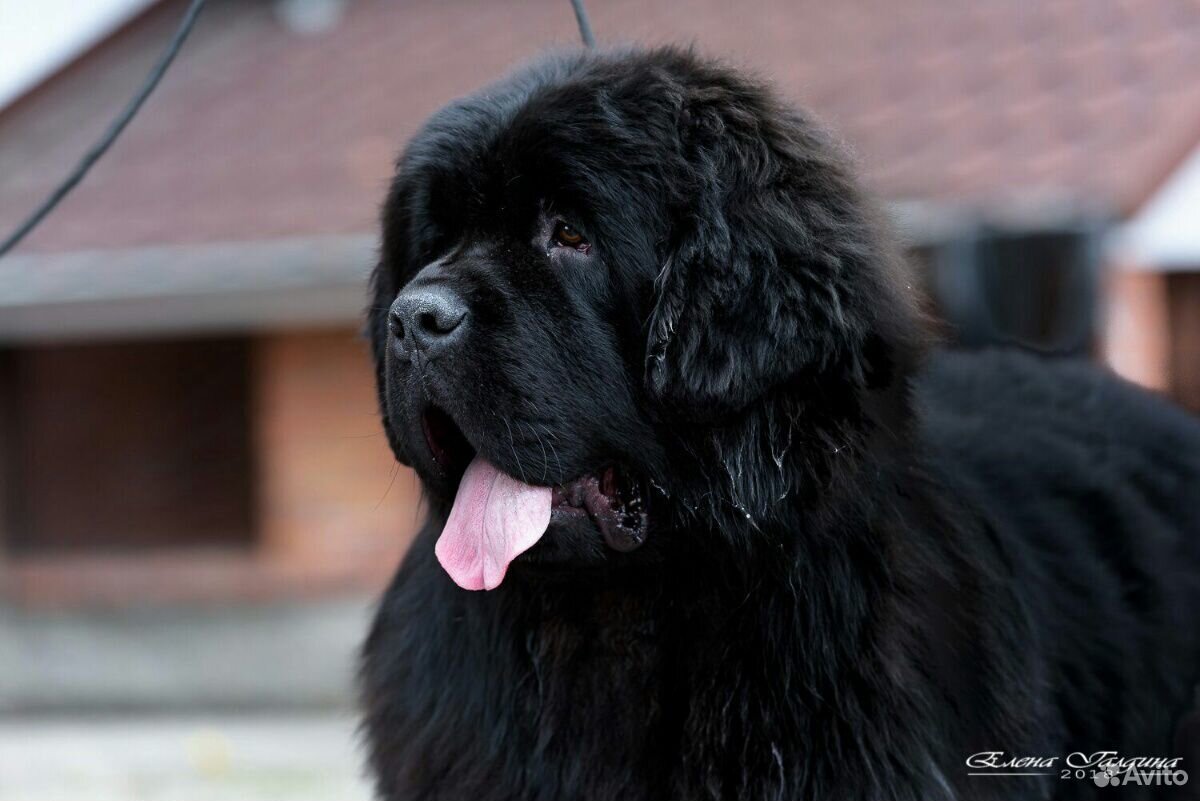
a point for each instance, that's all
(259, 132)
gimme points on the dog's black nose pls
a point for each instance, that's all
(428, 318)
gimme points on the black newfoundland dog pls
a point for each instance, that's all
(745, 534)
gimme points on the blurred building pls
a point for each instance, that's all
(187, 417)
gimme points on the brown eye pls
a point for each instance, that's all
(568, 237)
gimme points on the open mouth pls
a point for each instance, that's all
(449, 448)
(612, 497)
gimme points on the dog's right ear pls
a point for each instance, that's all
(778, 271)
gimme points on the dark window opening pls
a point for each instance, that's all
(126, 446)
(1036, 289)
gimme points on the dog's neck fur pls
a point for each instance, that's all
(785, 659)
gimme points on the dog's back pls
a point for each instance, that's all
(1092, 486)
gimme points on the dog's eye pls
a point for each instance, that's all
(568, 236)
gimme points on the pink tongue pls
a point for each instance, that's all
(495, 519)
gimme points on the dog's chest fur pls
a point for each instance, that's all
(599, 711)
(597, 694)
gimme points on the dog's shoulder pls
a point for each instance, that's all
(1043, 409)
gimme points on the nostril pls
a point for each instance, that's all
(441, 318)
(429, 321)
(396, 325)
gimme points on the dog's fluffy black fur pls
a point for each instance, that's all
(866, 559)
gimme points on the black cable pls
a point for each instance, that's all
(585, 27)
(114, 130)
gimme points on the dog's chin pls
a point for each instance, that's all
(609, 500)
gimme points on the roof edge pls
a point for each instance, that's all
(228, 286)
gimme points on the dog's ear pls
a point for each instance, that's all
(778, 271)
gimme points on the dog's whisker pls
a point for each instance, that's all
(550, 440)
(388, 489)
(513, 447)
(537, 438)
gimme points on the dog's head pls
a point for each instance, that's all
(619, 292)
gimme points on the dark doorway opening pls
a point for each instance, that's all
(126, 445)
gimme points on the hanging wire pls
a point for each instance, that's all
(585, 26)
(134, 106)
(114, 130)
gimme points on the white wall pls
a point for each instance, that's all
(1165, 233)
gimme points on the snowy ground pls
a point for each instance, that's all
(250, 758)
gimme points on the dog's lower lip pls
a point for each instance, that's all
(618, 512)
